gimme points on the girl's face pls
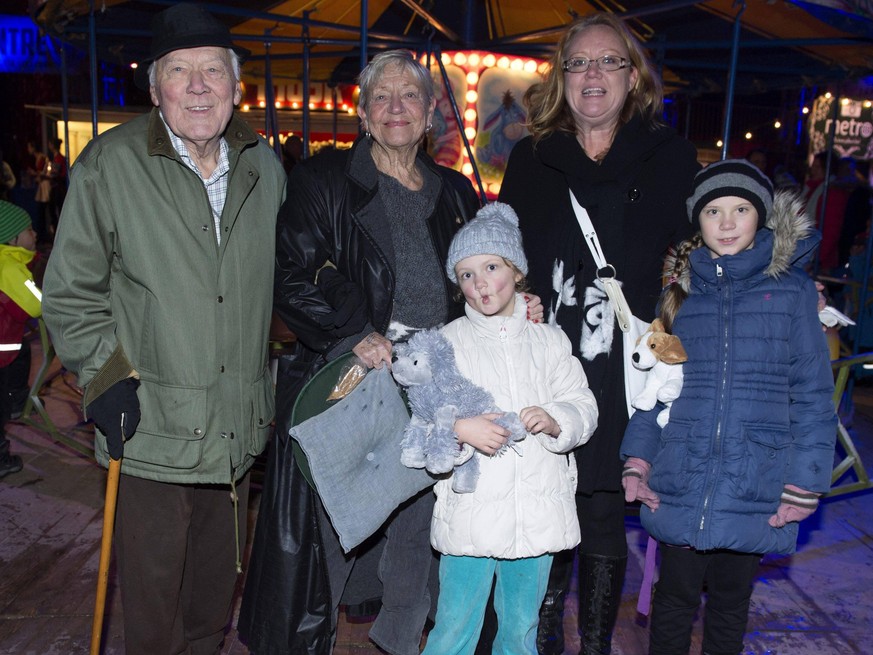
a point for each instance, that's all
(728, 225)
(488, 284)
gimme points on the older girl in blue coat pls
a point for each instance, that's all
(749, 446)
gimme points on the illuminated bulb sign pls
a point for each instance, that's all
(23, 49)
(852, 127)
(290, 96)
(488, 89)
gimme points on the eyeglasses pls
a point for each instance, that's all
(608, 63)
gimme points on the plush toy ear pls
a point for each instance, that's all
(673, 352)
(657, 326)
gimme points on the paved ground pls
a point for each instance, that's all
(817, 602)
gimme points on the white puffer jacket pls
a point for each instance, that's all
(524, 504)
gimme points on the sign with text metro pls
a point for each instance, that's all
(852, 126)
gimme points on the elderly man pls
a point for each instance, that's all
(158, 294)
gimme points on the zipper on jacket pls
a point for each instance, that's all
(724, 292)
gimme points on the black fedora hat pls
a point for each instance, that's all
(185, 25)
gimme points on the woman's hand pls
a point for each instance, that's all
(482, 433)
(537, 420)
(373, 350)
(534, 308)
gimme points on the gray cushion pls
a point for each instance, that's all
(353, 450)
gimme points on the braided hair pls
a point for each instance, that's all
(677, 275)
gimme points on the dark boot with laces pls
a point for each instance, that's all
(600, 581)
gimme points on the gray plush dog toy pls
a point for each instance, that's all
(438, 396)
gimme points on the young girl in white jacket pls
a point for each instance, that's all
(523, 508)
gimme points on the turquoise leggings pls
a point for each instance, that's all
(465, 584)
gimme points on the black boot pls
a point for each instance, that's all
(550, 631)
(600, 581)
(9, 463)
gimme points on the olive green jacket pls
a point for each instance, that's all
(137, 284)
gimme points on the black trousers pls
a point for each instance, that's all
(176, 548)
(728, 577)
(12, 378)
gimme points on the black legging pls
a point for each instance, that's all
(601, 519)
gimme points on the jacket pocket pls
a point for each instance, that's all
(263, 412)
(761, 474)
(669, 468)
(172, 427)
(133, 307)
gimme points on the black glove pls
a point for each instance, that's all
(115, 412)
(350, 314)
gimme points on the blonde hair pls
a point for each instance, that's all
(547, 108)
(676, 272)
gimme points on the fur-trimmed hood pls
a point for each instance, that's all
(788, 237)
(794, 238)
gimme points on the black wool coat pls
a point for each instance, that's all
(636, 199)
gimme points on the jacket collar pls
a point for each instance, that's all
(238, 135)
(361, 168)
(17, 254)
(633, 141)
(491, 327)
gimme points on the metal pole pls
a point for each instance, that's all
(335, 113)
(862, 297)
(451, 96)
(732, 78)
(271, 120)
(364, 27)
(92, 54)
(306, 72)
(687, 116)
(826, 185)
(65, 104)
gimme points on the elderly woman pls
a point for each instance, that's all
(596, 130)
(361, 247)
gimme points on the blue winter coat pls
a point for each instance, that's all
(755, 412)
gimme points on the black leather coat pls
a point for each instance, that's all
(333, 213)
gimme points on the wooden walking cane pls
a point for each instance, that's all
(105, 550)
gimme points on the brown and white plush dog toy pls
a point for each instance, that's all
(662, 355)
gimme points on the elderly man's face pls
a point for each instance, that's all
(196, 91)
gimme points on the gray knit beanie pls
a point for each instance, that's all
(493, 231)
(731, 177)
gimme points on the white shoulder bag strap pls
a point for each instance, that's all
(605, 271)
